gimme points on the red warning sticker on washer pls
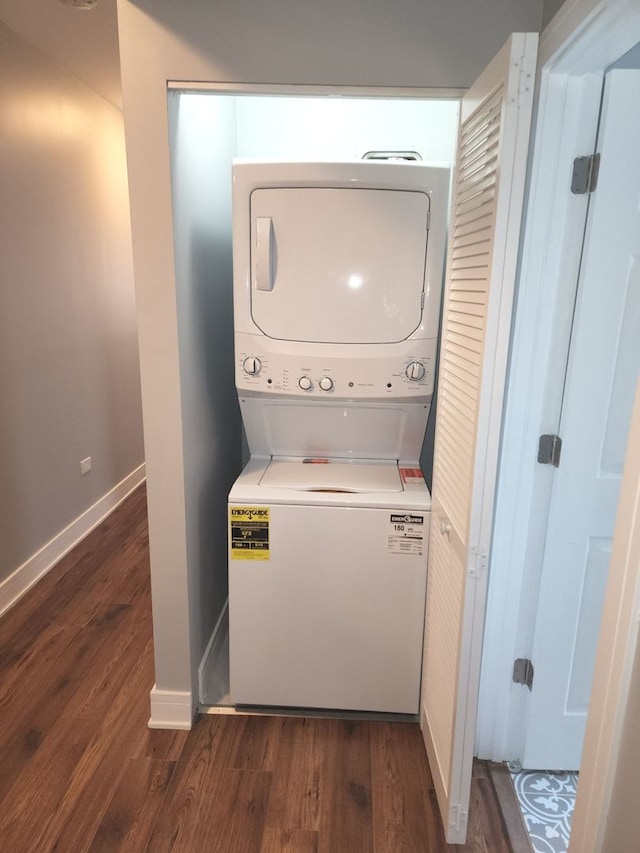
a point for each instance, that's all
(411, 476)
(406, 533)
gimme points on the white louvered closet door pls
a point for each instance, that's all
(483, 246)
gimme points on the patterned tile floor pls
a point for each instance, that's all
(547, 801)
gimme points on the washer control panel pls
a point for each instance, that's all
(345, 378)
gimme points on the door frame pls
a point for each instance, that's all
(581, 41)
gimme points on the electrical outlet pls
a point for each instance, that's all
(85, 465)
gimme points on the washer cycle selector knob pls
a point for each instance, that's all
(252, 365)
(326, 383)
(305, 383)
(414, 371)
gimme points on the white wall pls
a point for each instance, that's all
(203, 144)
(631, 59)
(549, 9)
(360, 42)
(83, 42)
(345, 128)
(413, 43)
(69, 378)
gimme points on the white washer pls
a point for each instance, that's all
(333, 616)
(337, 282)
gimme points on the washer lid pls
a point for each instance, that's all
(343, 266)
(328, 475)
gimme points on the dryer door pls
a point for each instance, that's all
(338, 265)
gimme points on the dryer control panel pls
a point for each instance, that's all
(359, 377)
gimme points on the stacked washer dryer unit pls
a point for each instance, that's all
(337, 286)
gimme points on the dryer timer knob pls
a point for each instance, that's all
(415, 371)
(252, 365)
(326, 383)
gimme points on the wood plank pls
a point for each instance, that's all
(255, 742)
(134, 807)
(509, 808)
(298, 788)
(346, 819)
(161, 743)
(210, 806)
(280, 840)
(194, 786)
(486, 830)
(98, 771)
(121, 653)
(236, 820)
(120, 576)
(23, 639)
(400, 783)
(60, 676)
(38, 791)
(435, 839)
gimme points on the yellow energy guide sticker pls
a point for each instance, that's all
(249, 531)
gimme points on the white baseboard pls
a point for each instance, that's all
(171, 709)
(207, 671)
(26, 575)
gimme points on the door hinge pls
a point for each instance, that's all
(525, 84)
(584, 178)
(422, 300)
(523, 672)
(479, 562)
(549, 449)
(428, 220)
(457, 818)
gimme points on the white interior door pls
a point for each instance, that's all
(603, 367)
(484, 236)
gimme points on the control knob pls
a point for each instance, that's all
(414, 371)
(252, 365)
(305, 383)
(326, 383)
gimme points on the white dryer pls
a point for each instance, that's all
(337, 281)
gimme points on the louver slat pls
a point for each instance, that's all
(477, 138)
(467, 245)
(468, 256)
(465, 310)
(464, 218)
(462, 346)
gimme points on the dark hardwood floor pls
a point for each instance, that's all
(80, 770)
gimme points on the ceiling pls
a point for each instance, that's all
(84, 41)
